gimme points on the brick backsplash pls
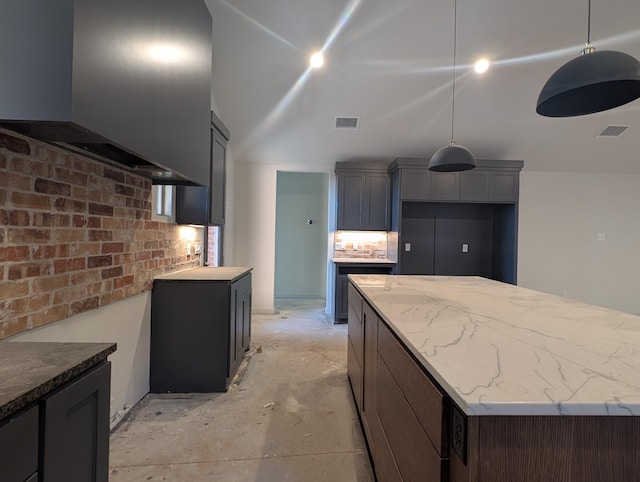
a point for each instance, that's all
(75, 234)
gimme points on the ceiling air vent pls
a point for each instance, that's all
(349, 123)
(612, 131)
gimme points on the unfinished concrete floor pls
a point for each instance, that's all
(289, 416)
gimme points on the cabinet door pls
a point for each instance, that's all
(377, 202)
(445, 186)
(504, 186)
(76, 430)
(218, 178)
(474, 185)
(19, 446)
(240, 322)
(351, 188)
(415, 185)
(342, 296)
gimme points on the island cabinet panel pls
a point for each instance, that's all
(355, 348)
(404, 415)
(550, 448)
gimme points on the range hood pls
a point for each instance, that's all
(127, 82)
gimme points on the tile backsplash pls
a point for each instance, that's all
(360, 244)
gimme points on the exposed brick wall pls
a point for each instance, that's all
(75, 234)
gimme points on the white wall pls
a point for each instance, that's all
(255, 225)
(558, 250)
(126, 322)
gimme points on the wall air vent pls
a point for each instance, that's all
(612, 131)
(348, 123)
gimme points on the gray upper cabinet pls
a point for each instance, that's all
(364, 196)
(493, 181)
(474, 185)
(206, 205)
(445, 186)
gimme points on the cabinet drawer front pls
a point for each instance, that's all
(19, 446)
(355, 301)
(424, 398)
(413, 451)
(356, 327)
(354, 370)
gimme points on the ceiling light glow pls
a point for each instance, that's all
(481, 66)
(317, 60)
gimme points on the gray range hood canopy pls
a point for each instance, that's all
(127, 82)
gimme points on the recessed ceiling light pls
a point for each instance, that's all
(317, 60)
(481, 66)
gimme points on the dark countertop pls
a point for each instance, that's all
(31, 370)
(205, 273)
(362, 261)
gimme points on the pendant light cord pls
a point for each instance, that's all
(589, 25)
(455, 37)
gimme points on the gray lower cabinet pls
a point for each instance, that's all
(19, 446)
(64, 437)
(200, 330)
(75, 445)
(343, 270)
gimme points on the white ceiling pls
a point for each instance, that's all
(390, 63)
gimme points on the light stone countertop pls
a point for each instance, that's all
(499, 349)
(205, 273)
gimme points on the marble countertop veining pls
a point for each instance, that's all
(30, 370)
(205, 273)
(499, 349)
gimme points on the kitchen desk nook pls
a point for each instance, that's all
(465, 379)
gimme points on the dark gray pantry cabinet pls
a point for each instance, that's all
(456, 223)
(54, 411)
(364, 196)
(200, 329)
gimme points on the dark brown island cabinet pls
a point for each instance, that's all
(54, 411)
(200, 329)
(364, 196)
(414, 429)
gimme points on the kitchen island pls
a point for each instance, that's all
(469, 379)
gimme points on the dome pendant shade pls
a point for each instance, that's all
(452, 158)
(594, 82)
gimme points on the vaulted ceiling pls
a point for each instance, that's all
(390, 63)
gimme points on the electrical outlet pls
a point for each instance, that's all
(407, 247)
(340, 246)
(355, 246)
(565, 294)
(465, 248)
(198, 248)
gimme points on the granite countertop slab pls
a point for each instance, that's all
(205, 273)
(363, 260)
(31, 370)
(499, 349)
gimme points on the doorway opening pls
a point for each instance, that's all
(301, 235)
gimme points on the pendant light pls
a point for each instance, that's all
(453, 157)
(593, 82)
